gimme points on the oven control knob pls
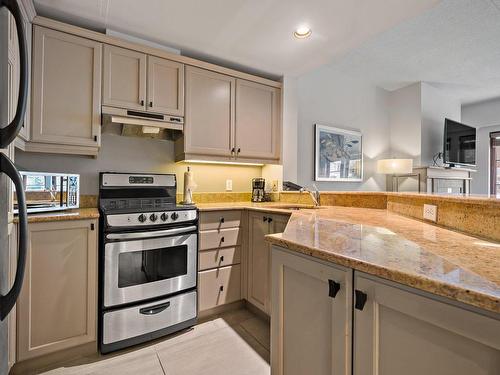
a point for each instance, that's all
(142, 218)
(174, 216)
(164, 217)
(153, 217)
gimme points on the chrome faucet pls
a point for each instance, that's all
(315, 195)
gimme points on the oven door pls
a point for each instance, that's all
(143, 265)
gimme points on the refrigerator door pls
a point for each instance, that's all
(10, 124)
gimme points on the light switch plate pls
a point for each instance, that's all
(229, 185)
(430, 212)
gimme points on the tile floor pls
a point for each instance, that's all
(235, 343)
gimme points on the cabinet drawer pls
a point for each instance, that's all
(219, 286)
(219, 258)
(219, 219)
(213, 239)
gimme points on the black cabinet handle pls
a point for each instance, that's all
(152, 310)
(92, 226)
(150, 104)
(8, 300)
(142, 102)
(221, 259)
(264, 219)
(239, 150)
(222, 239)
(9, 132)
(232, 151)
(269, 219)
(333, 288)
(360, 300)
(221, 220)
(221, 288)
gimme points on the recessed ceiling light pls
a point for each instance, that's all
(302, 32)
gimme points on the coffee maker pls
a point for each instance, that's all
(258, 193)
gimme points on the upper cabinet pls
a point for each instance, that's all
(230, 119)
(257, 121)
(124, 78)
(66, 97)
(209, 121)
(165, 86)
(136, 81)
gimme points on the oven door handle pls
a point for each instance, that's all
(158, 233)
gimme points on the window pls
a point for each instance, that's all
(495, 163)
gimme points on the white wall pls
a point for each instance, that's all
(290, 112)
(332, 97)
(486, 117)
(129, 154)
(436, 106)
(405, 118)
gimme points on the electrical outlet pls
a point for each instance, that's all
(229, 185)
(430, 212)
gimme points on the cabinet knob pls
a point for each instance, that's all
(269, 219)
(264, 219)
(221, 220)
(142, 102)
(150, 104)
(360, 300)
(221, 288)
(222, 239)
(333, 288)
(221, 259)
(239, 150)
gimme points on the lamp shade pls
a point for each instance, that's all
(395, 166)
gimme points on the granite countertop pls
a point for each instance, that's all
(273, 207)
(74, 214)
(400, 249)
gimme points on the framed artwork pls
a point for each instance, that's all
(338, 154)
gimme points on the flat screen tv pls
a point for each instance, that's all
(459, 144)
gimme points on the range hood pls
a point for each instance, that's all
(141, 124)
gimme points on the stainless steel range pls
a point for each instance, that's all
(147, 259)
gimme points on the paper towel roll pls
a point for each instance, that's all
(189, 186)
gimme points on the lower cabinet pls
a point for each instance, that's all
(401, 332)
(260, 225)
(311, 316)
(219, 286)
(394, 330)
(57, 306)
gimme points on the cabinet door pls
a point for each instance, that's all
(66, 89)
(57, 306)
(209, 122)
(124, 78)
(310, 330)
(400, 332)
(165, 86)
(257, 129)
(218, 287)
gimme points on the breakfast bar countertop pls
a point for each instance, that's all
(407, 251)
(73, 214)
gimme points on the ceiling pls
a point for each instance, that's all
(455, 47)
(245, 33)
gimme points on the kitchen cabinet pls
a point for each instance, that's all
(165, 86)
(219, 259)
(209, 121)
(66, 99)
(318, 316)
(402, 331)
(311, 316)
(124, 78)
(257, 123)
(259, 258)
(136, 81)
(229, 119)
(57, 306)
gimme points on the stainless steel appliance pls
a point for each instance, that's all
(10, 125)
(148, 259)
(50, 191)
(258, 189)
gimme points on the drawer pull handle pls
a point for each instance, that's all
(221, 259)
(269, 219)
(152, 310)
(142, 102)
(333, 288)
(361, 298)
(222, 239)
(221, 288)
(221, 220)
(265, 219)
